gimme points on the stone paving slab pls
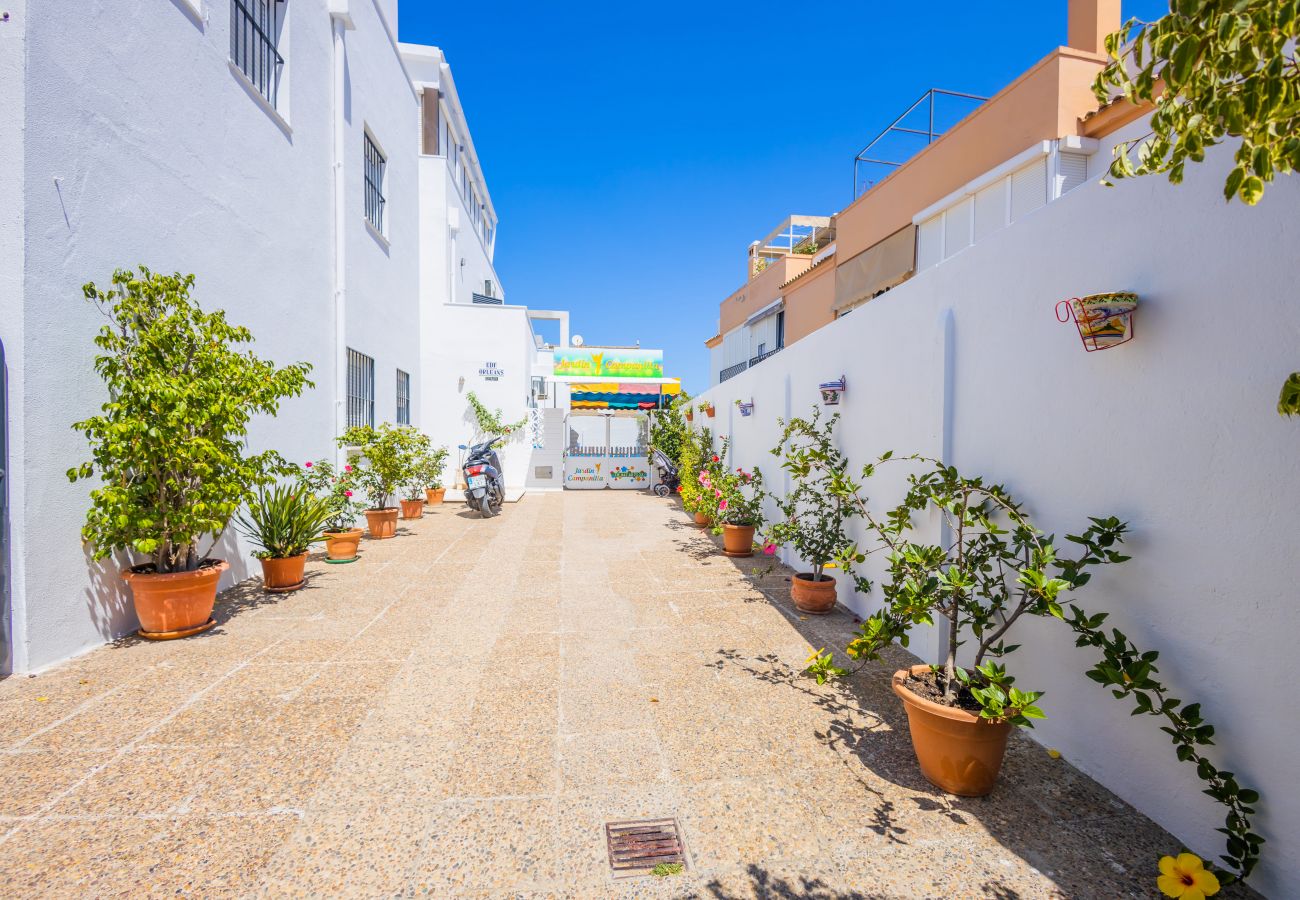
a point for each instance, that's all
(460, 713)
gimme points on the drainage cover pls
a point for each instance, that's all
(637, 847)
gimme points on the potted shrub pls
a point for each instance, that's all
(740, 510)
(168, 445)
(431, 465)
(813, 515)
(710, 410)
(713, 468)
(386, 459)
(342, 537)
(689, 460)
(284, 522)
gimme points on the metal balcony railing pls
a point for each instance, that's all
(764, 355)
(732, 371)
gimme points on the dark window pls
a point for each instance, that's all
(254, 43)
(780, 329)
(403, 398)
(375, 163)
(361, 389)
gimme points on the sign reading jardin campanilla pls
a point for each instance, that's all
(609, 362)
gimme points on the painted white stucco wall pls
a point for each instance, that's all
(1175, 433)
(150, 148)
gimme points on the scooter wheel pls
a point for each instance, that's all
(485, 506)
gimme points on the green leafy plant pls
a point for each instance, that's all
(387, 457)
(338, 487)
(696, 447)
(1215, 69)
(713, 467)
(428, 469)
(668, 429)
(815, 513)
(284, 520)
(168, 445)
(992, 567)
(663, 870)
(490, 422)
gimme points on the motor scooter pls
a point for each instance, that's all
(485, 486)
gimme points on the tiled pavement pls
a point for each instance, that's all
(458, 714)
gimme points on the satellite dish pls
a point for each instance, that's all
(576, 340)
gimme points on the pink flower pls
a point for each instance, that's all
(307, 464)
(347, 493)
(769, 549)
(717, 493)
(722, 504)
(347, 468)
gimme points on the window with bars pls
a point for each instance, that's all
(361, 389)
(255, 43)
(403, 398)
(375, 164)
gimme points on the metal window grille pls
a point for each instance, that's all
(361, 389)
(374, 184)
(403, 398)
(254, 38)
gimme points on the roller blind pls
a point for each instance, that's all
(880, 266)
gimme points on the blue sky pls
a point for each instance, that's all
(633, 151)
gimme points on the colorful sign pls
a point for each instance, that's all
(605, 362)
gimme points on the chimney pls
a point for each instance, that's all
(1089, 23)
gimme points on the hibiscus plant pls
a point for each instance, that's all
(338, 487)
(169, 443)
(739, 497)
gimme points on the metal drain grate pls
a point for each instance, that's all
(637, 847)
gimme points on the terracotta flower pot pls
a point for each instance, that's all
(702, 518)
(412, 509)
(710, 411)
(810, 596)
(433, 496)
(957, 750)
(279, 576)
(341, 546)
(382, 522)
(738, 540)
(175, 604)
(690, 416)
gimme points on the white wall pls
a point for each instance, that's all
(149, 148)
(1175, 432)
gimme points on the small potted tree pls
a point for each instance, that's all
(416, 482)
(168, 445)
(740, 510)
(284, 522)
(342, 537)
(431, 466)
(813, 515)
(385, 458)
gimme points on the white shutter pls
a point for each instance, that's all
(957, 227)
(991, 208)
(1071, 171)
(1028, 189)
(929, 242)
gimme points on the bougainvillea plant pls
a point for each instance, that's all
(339, 486)
(739, 497)
(991, 567)
(168, 444)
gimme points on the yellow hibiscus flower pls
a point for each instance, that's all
(1186, 877)
(812, 657)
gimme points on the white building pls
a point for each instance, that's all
(274, 149)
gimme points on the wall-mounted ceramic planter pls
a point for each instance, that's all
(832, 391)
(1103, 320)
(746, 409)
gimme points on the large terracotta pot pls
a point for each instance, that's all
(279, 576)
(433, 496)
(738, 540)
(341, 546)
(382, 522)
(958, 751)
(702, 518)
(175, 604)
(412, 509)
(817, 597)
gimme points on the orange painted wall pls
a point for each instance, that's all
(808, 302)
(759, 292)
(1042, 104)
